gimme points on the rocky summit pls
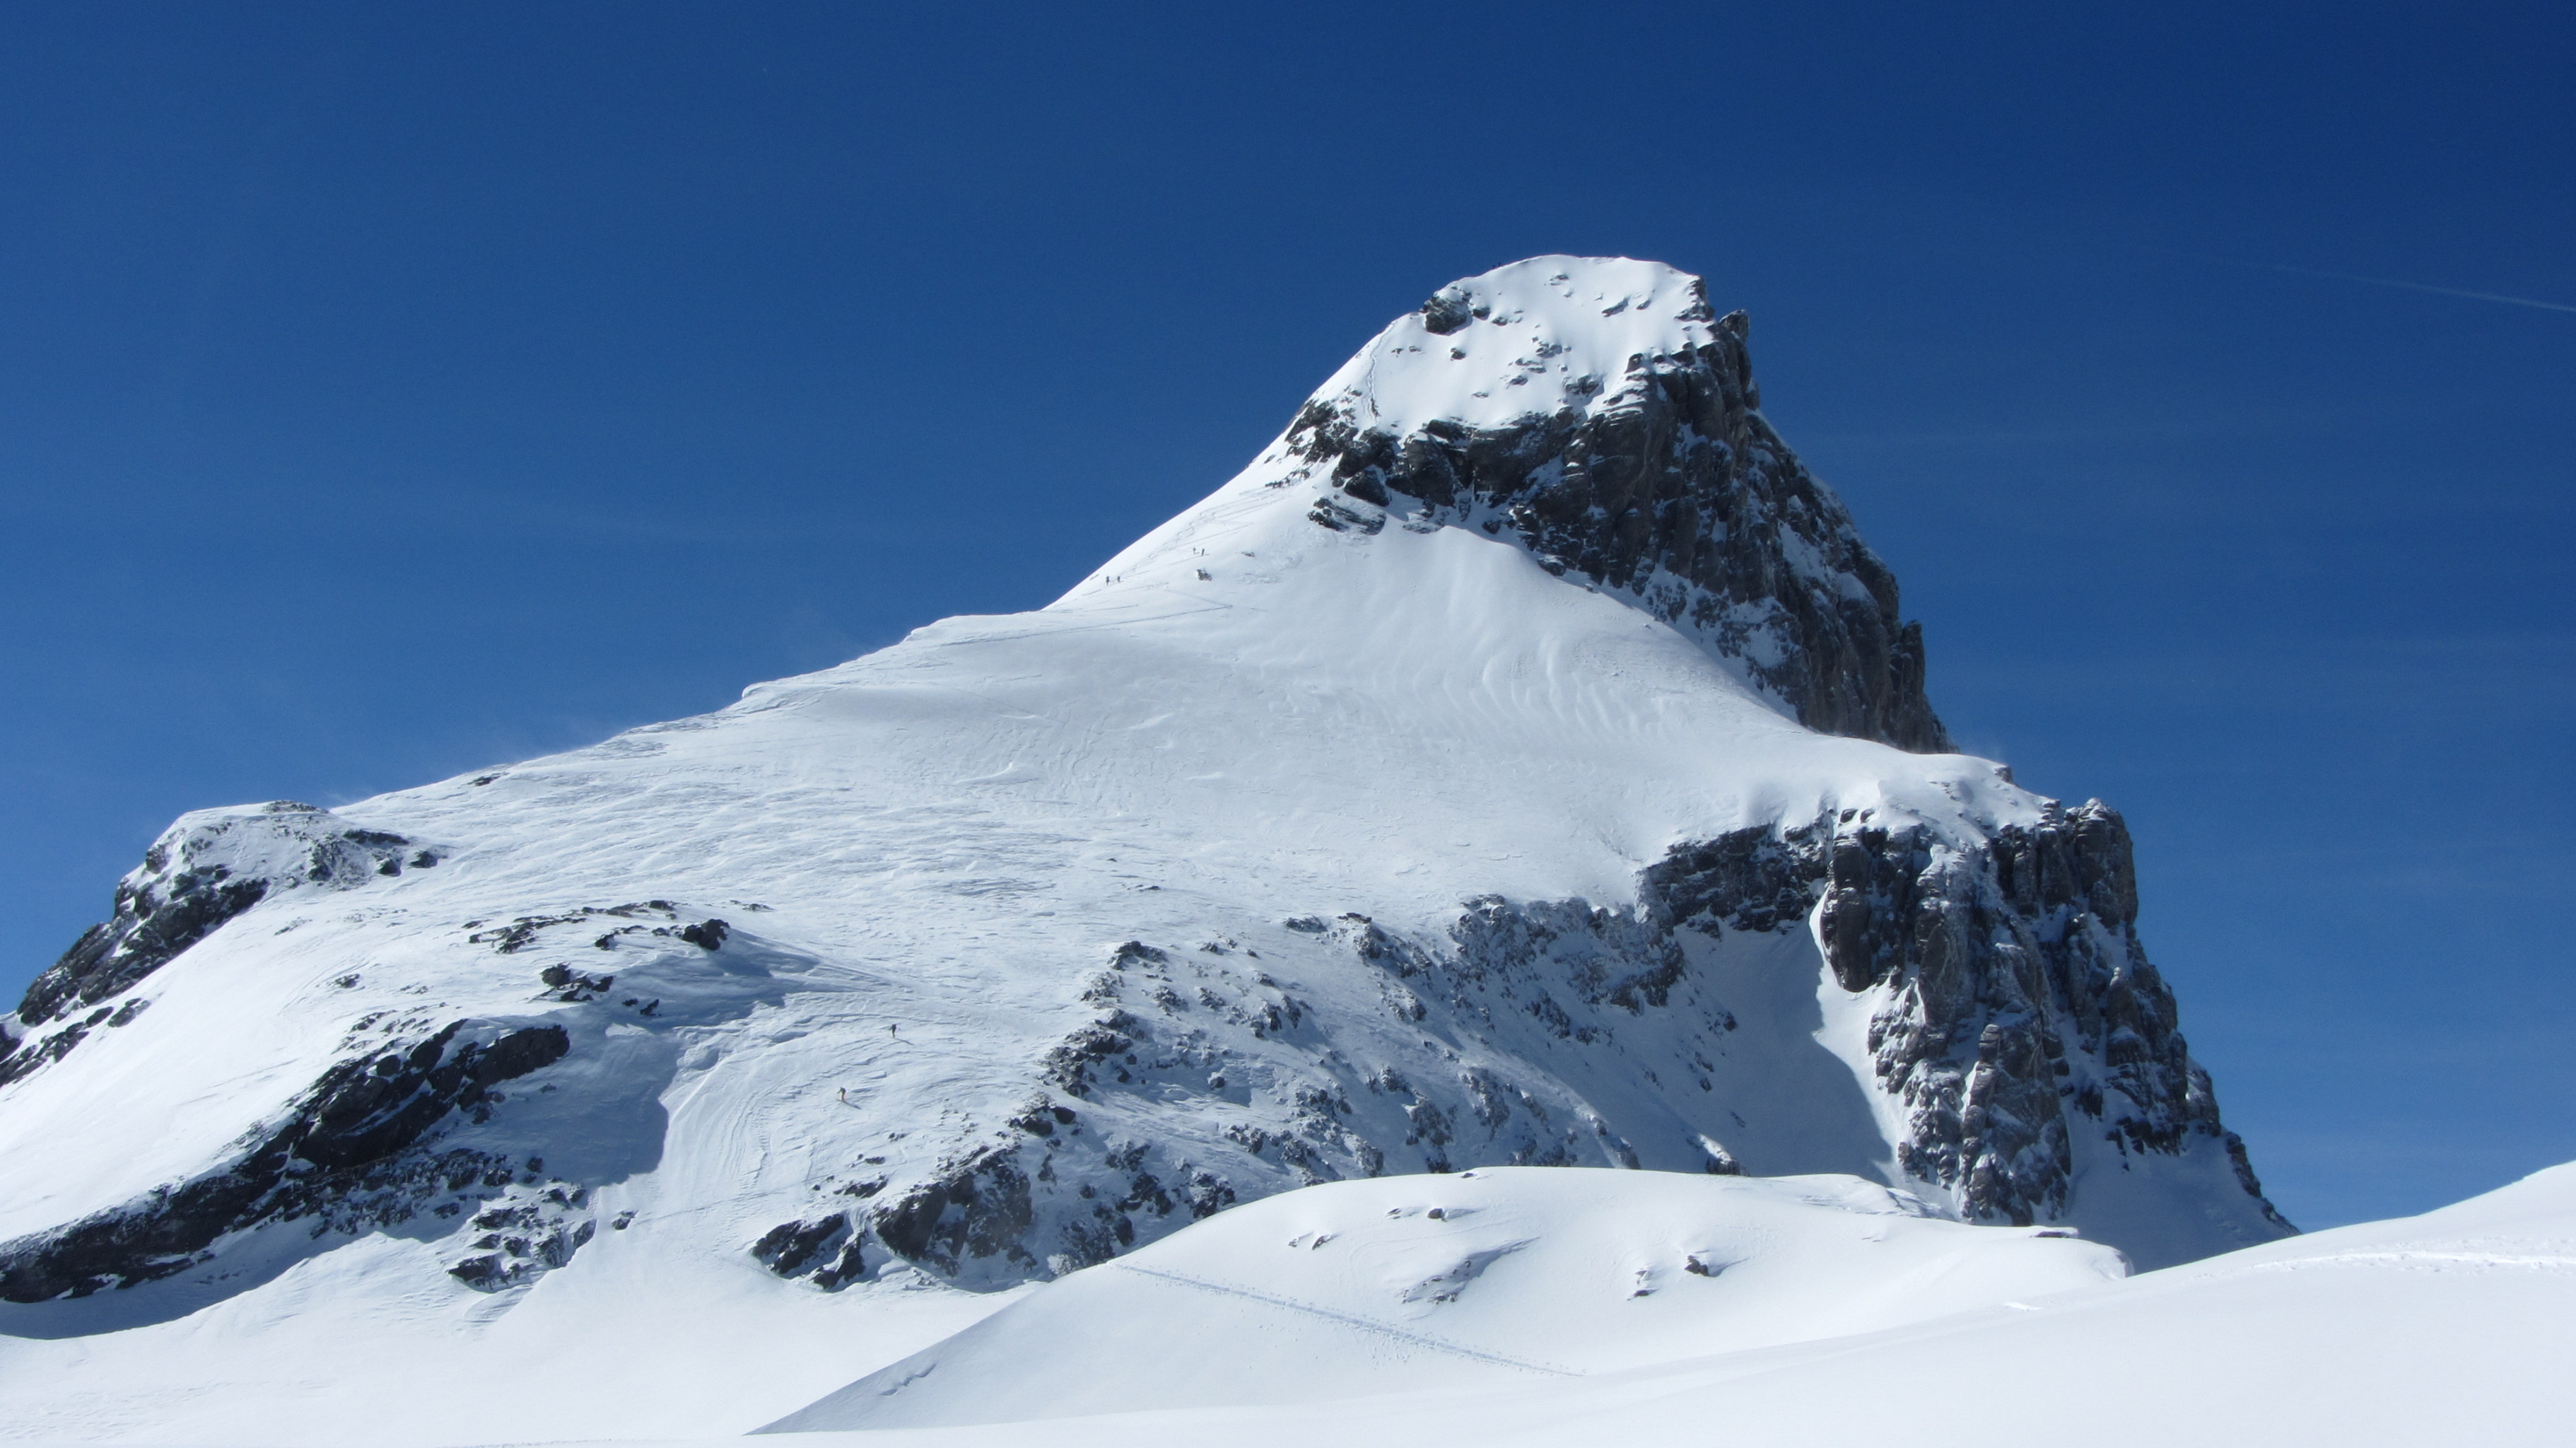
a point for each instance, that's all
(1522, 762)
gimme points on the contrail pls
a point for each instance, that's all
(2302, 271)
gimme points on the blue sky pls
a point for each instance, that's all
(387, 391)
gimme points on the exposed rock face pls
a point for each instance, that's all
(826, 1250)
(2019, 1006)
(1666, 485)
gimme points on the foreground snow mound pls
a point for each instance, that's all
(2446, 1328)
(1506, 1275)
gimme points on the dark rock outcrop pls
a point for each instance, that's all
(2021, 1006)
(1667, 486)
(355, 1149)
(977, 1207)
(523, 1240)
(826, 1251)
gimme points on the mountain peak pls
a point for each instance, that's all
(1598, 413)
(1531, 339)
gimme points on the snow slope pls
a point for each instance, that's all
(1328, 832)
(2450, 1327)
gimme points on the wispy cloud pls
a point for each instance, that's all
(2341, 276)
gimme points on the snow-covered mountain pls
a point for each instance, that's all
(1522, 762)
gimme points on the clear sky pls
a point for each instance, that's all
(390, 390)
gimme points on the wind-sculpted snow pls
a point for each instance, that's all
(1328, 832)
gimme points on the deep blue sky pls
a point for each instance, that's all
(389, 390)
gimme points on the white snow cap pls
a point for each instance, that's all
(1532, 337)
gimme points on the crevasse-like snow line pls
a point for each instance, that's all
(1418, 1339)
(2536, 1261)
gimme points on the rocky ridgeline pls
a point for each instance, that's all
(1664, 485)
(384, 1137)
(204, 870)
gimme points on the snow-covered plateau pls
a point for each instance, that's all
(1521, 764)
